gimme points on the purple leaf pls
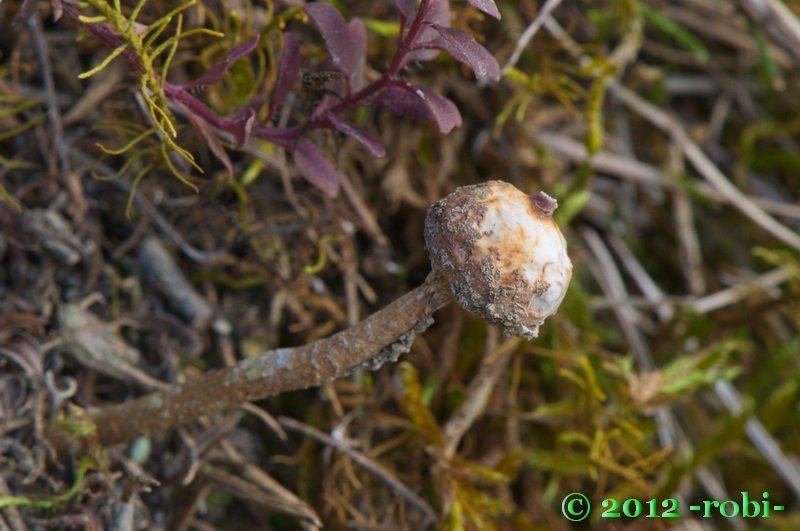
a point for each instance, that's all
(487, 6)
(370, 142)
(438, 14)
(407, 8)
(346, 42)
(467, 50)
(420, 103)
(315, 168)
(358, 40)
(288, 70)
(209, 135)
(445, 113)
(240, 126)
(216, 72)
(404, 102)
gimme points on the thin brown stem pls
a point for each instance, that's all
(480, 390)
(375, 468)
(53, 110)
(381, 337)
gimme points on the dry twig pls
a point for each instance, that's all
(373, 467)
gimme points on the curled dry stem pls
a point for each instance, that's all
(381, 337)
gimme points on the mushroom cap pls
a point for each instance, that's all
(501, 252)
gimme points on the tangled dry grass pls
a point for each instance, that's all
(667, 129)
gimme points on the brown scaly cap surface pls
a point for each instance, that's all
(502, 253)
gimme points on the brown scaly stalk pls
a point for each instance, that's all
(494, 249)
(381, 337)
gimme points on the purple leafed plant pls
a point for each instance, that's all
(425, 31)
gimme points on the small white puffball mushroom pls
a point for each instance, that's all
(502, 254)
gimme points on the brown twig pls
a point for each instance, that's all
(375, 468)
(703, 164)
(381, 337)
(201, 257)
(53, 110)
(647, 175)
(690, 250)
(778, 21)
(161, 271)
(769, 447)
(529, 33)
(691, 151)
(612, 283)
(480, 390)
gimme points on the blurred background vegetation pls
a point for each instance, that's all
(669, 131)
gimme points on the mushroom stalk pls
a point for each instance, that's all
(494, 249)
(381, 337)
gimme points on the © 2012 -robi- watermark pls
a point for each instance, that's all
(576, 507)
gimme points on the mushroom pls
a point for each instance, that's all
(494, 249)
(502, 254)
